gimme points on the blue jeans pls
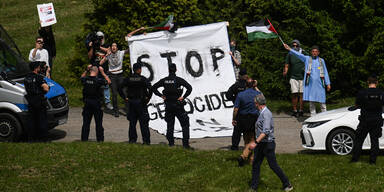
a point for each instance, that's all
(107, 94)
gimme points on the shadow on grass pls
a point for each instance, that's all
(313, 152)
(324, 152)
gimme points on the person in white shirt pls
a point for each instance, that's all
(115, 64)
(115, 59)
(40, 54)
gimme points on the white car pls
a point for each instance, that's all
(334, 131)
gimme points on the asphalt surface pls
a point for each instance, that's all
(287, 133)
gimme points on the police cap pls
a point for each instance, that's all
(34, 65)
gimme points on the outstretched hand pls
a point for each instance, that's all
(287, 47)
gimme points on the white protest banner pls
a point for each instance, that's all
(201, 54)
(46, 14)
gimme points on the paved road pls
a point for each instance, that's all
(116, 130)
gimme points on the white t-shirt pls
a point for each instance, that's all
(115, 62)
(41, 55)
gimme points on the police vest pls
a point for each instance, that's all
(172, 89)
(91, 88)
(32, 83)
(137, 86)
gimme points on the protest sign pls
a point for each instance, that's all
(46, 14)
(201, 56)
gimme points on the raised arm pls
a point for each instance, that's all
(297, 54)
(135, 31)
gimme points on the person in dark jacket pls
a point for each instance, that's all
(92, 96)
(174, 104)
(231, 94)
(36, 88)
(49, 44)
(138, 95)
(370, 101)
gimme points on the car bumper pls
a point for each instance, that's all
(312, 138)
(57, 117)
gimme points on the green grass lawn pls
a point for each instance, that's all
(131, 167)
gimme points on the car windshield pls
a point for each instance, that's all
(11, 63)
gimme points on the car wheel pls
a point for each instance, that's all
(10, 127)
(341, 141)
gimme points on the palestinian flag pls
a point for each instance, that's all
(261, 30)
(166, 24)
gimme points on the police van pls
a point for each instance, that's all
(13, 105)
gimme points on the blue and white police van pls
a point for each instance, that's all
(13, 105)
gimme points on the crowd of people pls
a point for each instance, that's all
(308, 78)
(135, 89)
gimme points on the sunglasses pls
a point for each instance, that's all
(295, 46)
(40, 42)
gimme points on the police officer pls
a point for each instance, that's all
(92, 105)
(231, 94)
(174, 104)
(245, 115)
(36, 87)
(138, 95)
(370, 101)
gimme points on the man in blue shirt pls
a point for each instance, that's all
(264, 145)
(245, 114)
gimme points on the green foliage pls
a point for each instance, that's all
(92, 166)
(349, 33)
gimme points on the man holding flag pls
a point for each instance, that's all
(316, 78)
(294, 69)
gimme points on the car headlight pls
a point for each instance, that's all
(315, 124)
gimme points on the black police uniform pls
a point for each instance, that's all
(231, 94)
(139, 93)
(370, 101)
(92, 106)
(172, 91)
(37, 106)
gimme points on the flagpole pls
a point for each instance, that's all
(276, 32)
(281, 40)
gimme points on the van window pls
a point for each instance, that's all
(11, 63)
